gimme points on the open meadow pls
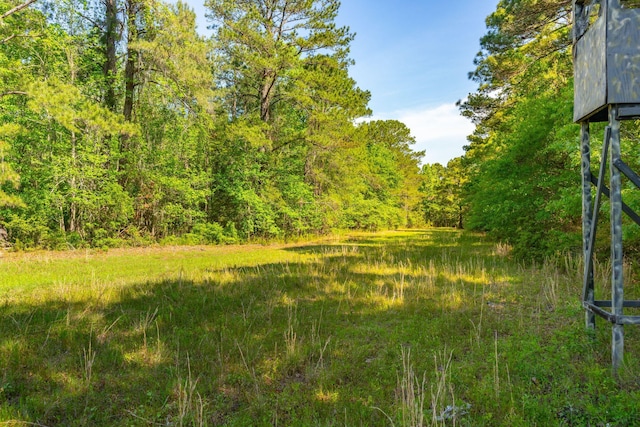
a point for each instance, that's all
(407, 328)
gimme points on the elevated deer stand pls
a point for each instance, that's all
(606, 54)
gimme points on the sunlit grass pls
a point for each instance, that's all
(427, 327)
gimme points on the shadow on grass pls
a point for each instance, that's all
(315, 342)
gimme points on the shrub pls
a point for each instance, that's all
(211, 232)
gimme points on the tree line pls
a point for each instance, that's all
(519, 179)
(521, 167)
(120, 124)
(523, 160)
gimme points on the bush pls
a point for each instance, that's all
(109, 242)
(371, 215)
(230, 233)
(211, 233)
(27, 233)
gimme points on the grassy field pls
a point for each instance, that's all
(409, 328)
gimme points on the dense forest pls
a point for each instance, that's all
(523, 161)
(522, 164)
(120, 124)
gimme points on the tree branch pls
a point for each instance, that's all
(16, 9)
(13, 92)
(7, 39)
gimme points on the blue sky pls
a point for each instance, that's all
(414, 57)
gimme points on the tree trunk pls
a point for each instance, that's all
(129, 85)
(110, 41)
(73, 212)
(130, 75)
(266, 94)
(132, 57)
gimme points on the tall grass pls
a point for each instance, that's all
(408, 328)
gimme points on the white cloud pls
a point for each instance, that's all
(441, 131)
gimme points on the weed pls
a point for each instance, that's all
(290, 335)
(442, 390)
(88, 359)
(412, 392)
(398, 286)
(190, 404)
(145, 323)
(496, 366)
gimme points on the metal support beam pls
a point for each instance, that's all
(610, 160)
(625, 208)
(628, 172)
(630, 304)
(606, 88)
(587, 216)
(612, 318)
(617, 291)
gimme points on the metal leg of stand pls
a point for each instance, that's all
(617, 293)
(587, 217)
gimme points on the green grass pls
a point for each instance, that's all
(430, 327)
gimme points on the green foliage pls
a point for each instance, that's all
(523, 195)
(523, 161)
(7, 174)
(27, 232)
(390, 177)
(442, 188)
(211, 233)
(370, 214)
(122, 126)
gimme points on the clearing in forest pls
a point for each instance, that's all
(406, 328)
